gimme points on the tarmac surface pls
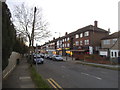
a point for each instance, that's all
(19, 77)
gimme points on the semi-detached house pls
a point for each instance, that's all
(110, 45)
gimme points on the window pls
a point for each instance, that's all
(81, 42)
(76, 43)
(106, 41)
(63, 40)
(114, 40)
(68, 45)
(86, 42)
(86, 33)
(63, 45)
(68, 39)
(76, 36)
(81, 35)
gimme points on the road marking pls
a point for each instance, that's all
(92, 76)
(54, 84)
(9, 71)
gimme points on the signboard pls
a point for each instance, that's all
(105, 53)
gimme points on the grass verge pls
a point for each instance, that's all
(38, 80)
(112, 68)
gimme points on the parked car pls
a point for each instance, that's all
(42, 55)
(53, 57)
(50, 56)
(58, 58)
(46, 56)
(38, 59)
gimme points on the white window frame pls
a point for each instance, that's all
(76, 43)
(65, 45)
(68, 45)
(113, 41)
(86, 42)
(76, 36)
(106, 42)
(81, 42)
(68, 39)
(81, 35)
(86, 33)
(63, 40)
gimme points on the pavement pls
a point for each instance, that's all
(89, 63)
(19, 77)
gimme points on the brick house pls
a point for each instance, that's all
(86, 40)
(83, 41)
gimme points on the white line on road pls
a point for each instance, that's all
(92, 76)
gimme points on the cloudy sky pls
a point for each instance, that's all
(70, 15)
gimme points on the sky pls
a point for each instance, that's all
(70, 15)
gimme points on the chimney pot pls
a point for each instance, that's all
(96, 23)
(53, 38)
(66, 33)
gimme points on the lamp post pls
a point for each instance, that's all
(59, 38)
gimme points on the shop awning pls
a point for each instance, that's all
(78, 50)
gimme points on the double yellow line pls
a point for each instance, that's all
(54, 84)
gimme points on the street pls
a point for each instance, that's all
(72, 75)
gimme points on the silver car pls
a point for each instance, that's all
(58, 58)
(38, 59)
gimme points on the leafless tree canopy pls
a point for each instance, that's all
(29, 23)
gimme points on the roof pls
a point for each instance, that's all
(114, 35)
(86, 28)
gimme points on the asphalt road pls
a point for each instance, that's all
(72, 75)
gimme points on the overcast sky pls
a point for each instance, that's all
(70, 15)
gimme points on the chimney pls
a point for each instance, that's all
(53, 38)
(66, 33)
(95, 23)
(108, 30)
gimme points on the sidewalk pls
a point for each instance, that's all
(88, 63)
(19, 77)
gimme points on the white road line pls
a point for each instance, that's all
(92, 76)
(84, 73)
(9, 71)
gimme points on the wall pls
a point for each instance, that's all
(12, 63)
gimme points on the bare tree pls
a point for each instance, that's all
(29, 23)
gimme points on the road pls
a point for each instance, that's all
(72, 75)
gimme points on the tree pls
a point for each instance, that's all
(8, 35)
(29, 23)
(20, 46)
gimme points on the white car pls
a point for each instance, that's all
(38, 59)
(58, 58)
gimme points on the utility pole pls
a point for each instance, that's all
(32, 35)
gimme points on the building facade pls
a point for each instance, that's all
(86, 40)
(110, 45)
